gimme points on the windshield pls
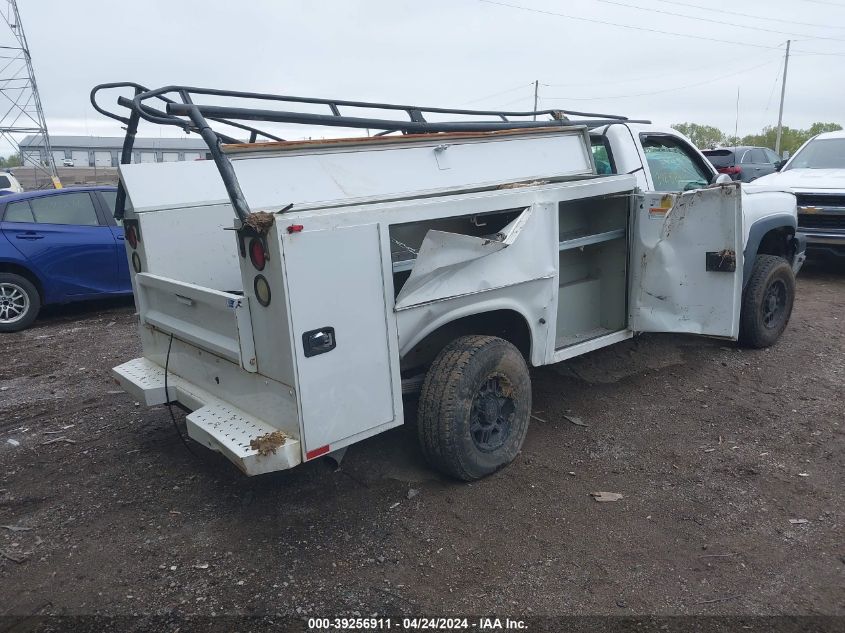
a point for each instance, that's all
(828, 153)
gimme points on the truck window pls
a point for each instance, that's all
(601, 155)
(672, 166)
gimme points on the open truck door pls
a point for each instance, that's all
(686, 264)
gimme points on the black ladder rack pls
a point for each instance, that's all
(182, 107)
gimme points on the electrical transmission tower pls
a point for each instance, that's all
(21, 113)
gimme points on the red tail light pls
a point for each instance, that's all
(257, 254)
(131, 236)
(732, 171)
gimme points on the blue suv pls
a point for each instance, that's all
(58, 246)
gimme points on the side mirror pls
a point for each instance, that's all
(779, 165)
(722, 179)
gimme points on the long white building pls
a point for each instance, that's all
(104, 151)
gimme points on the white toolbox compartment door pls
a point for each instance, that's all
(349, 387)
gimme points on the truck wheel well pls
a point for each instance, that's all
(17, 269)
(507, 324)
(777, 242)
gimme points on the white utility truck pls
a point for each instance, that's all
(289, 293)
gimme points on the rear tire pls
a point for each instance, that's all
(767, 302)
(474, 407)
(19, 302)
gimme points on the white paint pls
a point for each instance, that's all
(670, 288)
(79, 158)
(102, 159)
(326, 175)
(351, 388)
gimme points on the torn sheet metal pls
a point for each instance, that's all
(451, 264)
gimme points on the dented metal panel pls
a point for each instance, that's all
(677, 285)
(451, 265)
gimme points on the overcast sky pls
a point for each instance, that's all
(606, 56)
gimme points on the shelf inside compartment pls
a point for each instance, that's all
(592, 298)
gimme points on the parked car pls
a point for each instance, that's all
(9, 184)
(67, 162)
(744, 163)
(58, 246)
(816, 174)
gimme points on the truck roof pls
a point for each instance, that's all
(829, 135)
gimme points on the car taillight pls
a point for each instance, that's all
(257, 254)
(732, 170)
(132, 236)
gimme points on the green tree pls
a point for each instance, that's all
(702, 136)
(818, 128)
(12, 161)
(791, 138)
(708, 136)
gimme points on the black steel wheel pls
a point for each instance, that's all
(767, 302)
(492, 414)
(474, 407)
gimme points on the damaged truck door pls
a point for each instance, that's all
(686, 265)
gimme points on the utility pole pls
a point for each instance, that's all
(22, 114)
(782, 96)
(536, 88)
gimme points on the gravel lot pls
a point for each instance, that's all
(717, 452)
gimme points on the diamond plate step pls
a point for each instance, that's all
(213, 423)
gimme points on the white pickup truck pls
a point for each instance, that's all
(289, 293)
(816, 175)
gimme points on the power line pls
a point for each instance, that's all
(772, 92)
(625, 26)
(685, 71)
(496, 94)
(831, 4)
(720, 22)
(657, 92)
(750, 15)
(811, 53)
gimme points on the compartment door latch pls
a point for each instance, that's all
(318, 341)
(721, 261)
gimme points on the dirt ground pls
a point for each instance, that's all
(730, 463)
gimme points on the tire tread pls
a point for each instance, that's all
(439, 401)
(750, 334)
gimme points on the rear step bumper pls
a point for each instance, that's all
(212, 422)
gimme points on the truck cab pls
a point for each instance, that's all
(664, 161)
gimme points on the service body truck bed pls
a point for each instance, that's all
(444, 263)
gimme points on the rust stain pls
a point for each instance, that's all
(728, 258)
(260, 221)
(268, 443)
(405, 138)
(518, 185)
